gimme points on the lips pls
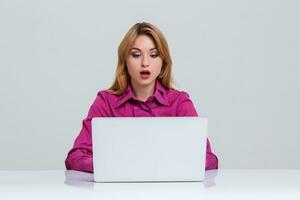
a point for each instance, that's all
(145, 72)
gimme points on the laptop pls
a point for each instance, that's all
(147, 149)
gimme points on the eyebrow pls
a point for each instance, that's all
(134, 48)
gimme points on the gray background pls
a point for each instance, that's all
(239, 61)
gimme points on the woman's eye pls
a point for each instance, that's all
(135, 55)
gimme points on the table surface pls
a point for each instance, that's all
(218, 184)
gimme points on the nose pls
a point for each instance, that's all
(145, 61)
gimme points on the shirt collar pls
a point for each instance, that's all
(159, 94)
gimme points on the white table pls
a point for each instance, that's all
(221, 184)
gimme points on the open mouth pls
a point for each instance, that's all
(145, 72)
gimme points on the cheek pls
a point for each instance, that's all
(133, 71)
(158, 66)
(133, 63)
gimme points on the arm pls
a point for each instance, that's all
(186, 108)
(80, 157)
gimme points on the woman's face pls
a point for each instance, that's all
(143, 62)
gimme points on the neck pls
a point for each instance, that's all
(143, 92)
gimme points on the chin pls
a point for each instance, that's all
(145, 82)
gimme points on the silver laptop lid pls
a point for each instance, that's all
(149, 148)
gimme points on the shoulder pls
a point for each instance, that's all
(107, 95)
(183, 103)
(178, 96)
(103, 96)
(103, 101)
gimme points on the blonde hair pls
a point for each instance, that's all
(122, 76)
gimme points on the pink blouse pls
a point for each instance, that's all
(163, 102)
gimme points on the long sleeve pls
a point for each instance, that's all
(186, 108)
(80, 157)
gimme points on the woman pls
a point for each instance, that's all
(142, 87)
